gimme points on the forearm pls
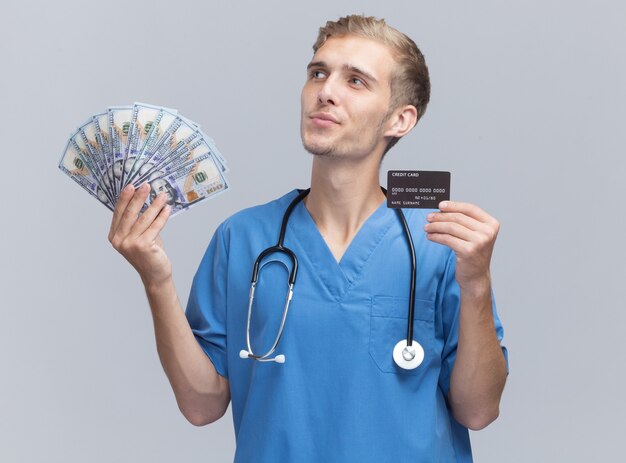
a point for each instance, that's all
(479, 371)
(201, 393)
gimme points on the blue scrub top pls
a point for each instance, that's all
(339, 397)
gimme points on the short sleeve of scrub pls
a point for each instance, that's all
(206, 309)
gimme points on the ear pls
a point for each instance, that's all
(402, 121)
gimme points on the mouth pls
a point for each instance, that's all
(323, 119)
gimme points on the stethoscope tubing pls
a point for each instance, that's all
(280, 248)
(409, 239)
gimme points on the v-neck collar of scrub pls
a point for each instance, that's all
(339, 277)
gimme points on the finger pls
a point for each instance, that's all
(456, 217)
(456, 244)
(120, 207)
(451, 228)
(468, 209)
(129, 216)
(158, 223)
(148, 216)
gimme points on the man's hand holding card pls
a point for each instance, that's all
(468, 230)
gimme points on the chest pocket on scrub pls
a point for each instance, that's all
(388, 324)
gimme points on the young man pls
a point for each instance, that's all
(338, 396)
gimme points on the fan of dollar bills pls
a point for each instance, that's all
(144, 143)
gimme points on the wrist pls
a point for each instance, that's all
(156, 286)
(477, 288)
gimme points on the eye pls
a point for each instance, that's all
(356, 81)
(317, 74)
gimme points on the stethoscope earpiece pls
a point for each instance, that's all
(244, 354)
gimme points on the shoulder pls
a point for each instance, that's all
(257, 219)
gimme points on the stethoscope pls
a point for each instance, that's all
(407, 353)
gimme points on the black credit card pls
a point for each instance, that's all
(423, 189)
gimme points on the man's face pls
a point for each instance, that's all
(346, 97)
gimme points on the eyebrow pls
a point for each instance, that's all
(345, 67)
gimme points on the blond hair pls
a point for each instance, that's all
(410, 83)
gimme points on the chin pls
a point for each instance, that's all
(317, 147)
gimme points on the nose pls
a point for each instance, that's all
(328, 94)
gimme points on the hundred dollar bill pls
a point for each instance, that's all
(168, 158)
(82, 150)
(101, 125)
(191, 145)
(119, 127)
(148, 124)
(72, 165)
(174, 147)
(131, 145)
(87, 133)
(156, 138)
(181, 146)
(179, 130)
(188, 185)
(188, 151)
(154, 144)
(189, 126)
(145, 144)
(221, 160)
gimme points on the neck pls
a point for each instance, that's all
(343, 195)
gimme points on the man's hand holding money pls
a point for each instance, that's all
(136, 236)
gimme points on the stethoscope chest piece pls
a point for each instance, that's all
(408, 357)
